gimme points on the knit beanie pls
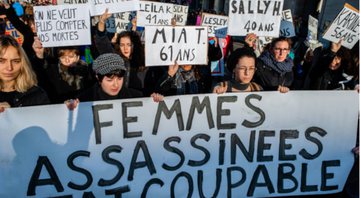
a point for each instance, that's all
(107, 63)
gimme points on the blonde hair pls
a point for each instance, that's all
(27, 77)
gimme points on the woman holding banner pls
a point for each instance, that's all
(128, 46)
(274, 68)
(110, 70)
(242, 64)
(17, 79)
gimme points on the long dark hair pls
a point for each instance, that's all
(137, 58)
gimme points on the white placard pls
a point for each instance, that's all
(63, 25)
(312, 28)
(345, 27)
(62, 2)
(154, 13)
(180, 13)
(213, 21)
(122, 21)
(261, 17)
(166, 44)
(114, 6)
(287, 27)
(181, 147)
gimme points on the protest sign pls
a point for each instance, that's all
(221, 32)
(218, 67)
(154, 13)
(312, 28)
(10, 30)
(166, 44)
(63, 25)
(213, 21)
(114, 6)
(345, 27)
(118, 22)
(122, 21)
(243, 144)
(287, 27)
(180, 14)
(261, 17)
(262, 41)
(62, 2)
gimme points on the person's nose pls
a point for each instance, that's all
(9, 66)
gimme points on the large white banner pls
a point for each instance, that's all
(250, 144)
(185, 44)
(63, 25)
(261, 17)
(114, 6)
(213, 22)
(345, 27)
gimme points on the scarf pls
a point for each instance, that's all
(70, 79)
(239, 86)
(280, 67)
(182, 77)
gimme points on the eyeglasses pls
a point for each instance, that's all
(67, 57)
(246, 69)
(281, 50)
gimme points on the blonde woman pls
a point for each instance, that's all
(17, 79)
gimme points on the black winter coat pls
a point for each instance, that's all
(33, 96)
(270, 79)
(51, 80)
(95, 93)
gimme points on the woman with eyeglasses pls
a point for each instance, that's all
(128, 45)
(274, 67)
(17, 79)
(242, 64)
(64, 76)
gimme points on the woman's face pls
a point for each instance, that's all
(112, 85)
(335, 63)
(186, 67)
(69, 58)
(126, 47)
(245, 69)
(281, 50)
(10, 65)
(33, 27)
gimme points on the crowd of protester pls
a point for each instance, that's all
(114, 66)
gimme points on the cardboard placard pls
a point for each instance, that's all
(185, 44)
(63, 25)
(261, 17)
(345, 27)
